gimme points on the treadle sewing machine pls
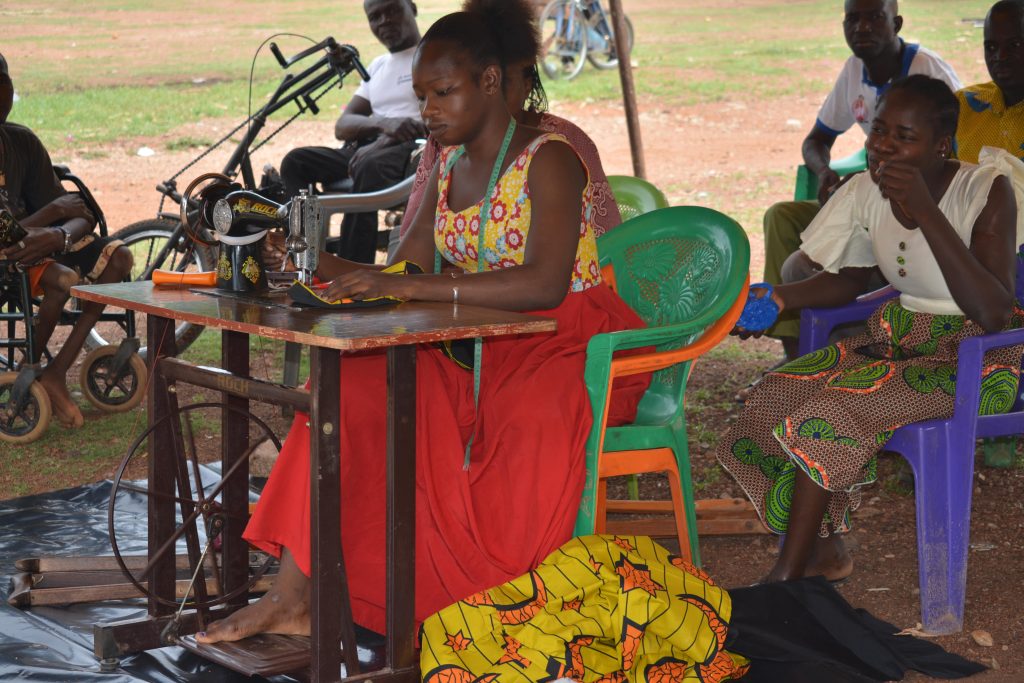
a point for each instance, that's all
(198, 567)
(238, 221)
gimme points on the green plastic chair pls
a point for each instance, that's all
(684, 270)
(807, 182)
(635, 196)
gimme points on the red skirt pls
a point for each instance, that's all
(477, 528)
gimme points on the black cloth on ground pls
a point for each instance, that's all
(804, 631)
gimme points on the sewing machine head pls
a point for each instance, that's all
(239, 221)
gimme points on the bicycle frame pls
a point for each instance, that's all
(303, 89)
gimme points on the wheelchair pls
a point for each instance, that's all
(112, 377)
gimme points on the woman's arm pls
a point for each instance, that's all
(823, 289)
(980, 277)
(556, 180)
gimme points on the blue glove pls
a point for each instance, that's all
(759, 313)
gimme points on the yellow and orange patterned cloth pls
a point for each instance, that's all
(456, 233)
(599, 608)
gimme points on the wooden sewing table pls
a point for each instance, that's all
(398, 329)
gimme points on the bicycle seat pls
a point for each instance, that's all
(345, 185)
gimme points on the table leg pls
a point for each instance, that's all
(235, 442)
(331, 608)
(401, 507)
(160, 340)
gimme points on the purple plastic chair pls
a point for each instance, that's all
(941, 454)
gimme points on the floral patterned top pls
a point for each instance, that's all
(456, 234)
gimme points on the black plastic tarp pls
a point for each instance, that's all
(55, 643)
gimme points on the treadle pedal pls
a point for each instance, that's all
(265, 654)
(270, 654)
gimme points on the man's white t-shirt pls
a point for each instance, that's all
(854, 97)
(389, 90)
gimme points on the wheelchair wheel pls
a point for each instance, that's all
(601, 51)
(29, 423)
(109, 391)
(563, 39)
(145, 239)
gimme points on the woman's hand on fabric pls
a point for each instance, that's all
(904, 186)
(368, 284)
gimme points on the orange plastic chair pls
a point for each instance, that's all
(684, 270)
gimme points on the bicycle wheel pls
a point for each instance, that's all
(601, 50)
(145, 239)
(563, 39)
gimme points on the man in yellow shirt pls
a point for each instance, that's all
(992, 114)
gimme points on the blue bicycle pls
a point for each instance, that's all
(574, 30)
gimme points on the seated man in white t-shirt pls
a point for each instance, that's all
(871, 28)
(379, 127)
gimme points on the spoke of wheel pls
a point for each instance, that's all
(169, 543)
(147, 492)
(227, 475)
(149, 254)
(183, 458)
(107, 389)
(193, 458)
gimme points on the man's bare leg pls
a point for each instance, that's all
(54, 377)
(283, 609)
(56, 283)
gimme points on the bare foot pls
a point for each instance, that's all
(284, 609)
(831, 559)
(263, 616)
(63, 405)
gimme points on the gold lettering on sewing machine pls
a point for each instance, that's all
(245, 205)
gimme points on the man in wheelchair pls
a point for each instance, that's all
(378, 127)
(60, 246)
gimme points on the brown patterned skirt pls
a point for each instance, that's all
(831, 411)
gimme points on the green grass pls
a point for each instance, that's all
(66, 457)
(101, 79)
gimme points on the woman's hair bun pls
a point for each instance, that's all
(502, 32)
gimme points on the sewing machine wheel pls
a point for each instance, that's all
(197, 202)
(199, 517)
(107, 389)
(27, 423)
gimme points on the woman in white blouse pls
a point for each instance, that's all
(945, 234)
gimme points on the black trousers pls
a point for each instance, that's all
(382, 168)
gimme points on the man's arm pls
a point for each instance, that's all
(817, 151)
(47, 228)
(56, 207)
(358, 121)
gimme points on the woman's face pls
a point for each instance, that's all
(453, 99)
(903, 131)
